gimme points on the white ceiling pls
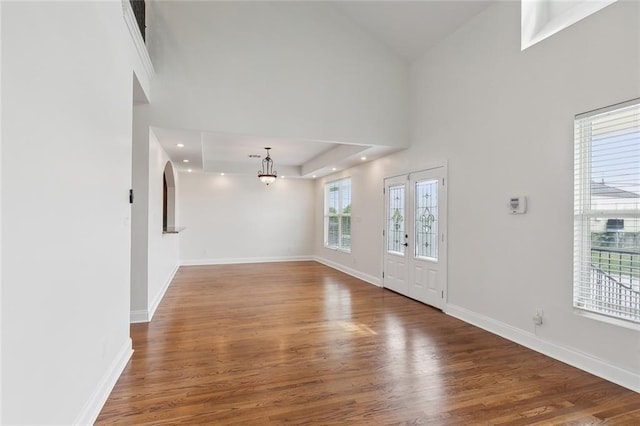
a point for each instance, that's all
(222, 152)
(218, 152)
(409, 28)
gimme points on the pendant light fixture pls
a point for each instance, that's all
(267, 175)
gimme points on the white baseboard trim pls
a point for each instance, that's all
(349, 271)
(96, 401)
(156, 300)
(142, 315)
(138, 316)
(570, 356)
(232, 261)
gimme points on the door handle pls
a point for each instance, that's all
(406, 244)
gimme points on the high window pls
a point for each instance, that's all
(139, 10)
(337, 215)
(607, 212)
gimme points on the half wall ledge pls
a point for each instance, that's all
(173, 230)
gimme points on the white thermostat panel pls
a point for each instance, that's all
(518, 204)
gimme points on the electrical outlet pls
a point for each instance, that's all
(537, 317)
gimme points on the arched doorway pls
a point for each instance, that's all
(168, 198)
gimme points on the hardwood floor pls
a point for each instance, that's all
(300, 343)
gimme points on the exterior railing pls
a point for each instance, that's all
(138, 7)
(615, 280)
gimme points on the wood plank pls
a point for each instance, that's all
(302, 343)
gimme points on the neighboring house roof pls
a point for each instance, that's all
(603, 190)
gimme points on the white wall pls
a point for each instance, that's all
(163, 248)
(504, 121)
(1, 137)
(154, 255)
(66, 172)
(281, 69)
(140, 215)
(367, 219)
(236, 218)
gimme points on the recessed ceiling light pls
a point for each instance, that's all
(189, 170)
(334, 169)
(180, 145)
(314, 176)
(185, 161)
(222, 174)
(363, 158)
(282, 177)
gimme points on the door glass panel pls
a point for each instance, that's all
(395, 220)
(426, 219)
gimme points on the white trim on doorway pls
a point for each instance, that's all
(416, 265)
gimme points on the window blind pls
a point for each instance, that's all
(337, 212)
(607, 212)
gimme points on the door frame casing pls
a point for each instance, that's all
(444, 245)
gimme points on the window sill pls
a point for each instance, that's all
(173, 230)
(609, 320)
(338, 249)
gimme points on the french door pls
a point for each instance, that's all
(414, 235)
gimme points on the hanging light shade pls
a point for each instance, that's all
(267, 175)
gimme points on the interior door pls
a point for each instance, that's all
(415, 254)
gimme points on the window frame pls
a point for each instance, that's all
(585, 213)
(340, 184)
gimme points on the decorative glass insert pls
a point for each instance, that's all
(426, 219)
(395, 221)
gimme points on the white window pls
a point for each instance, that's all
(607, 213)
(337, 215)
(543, 18)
